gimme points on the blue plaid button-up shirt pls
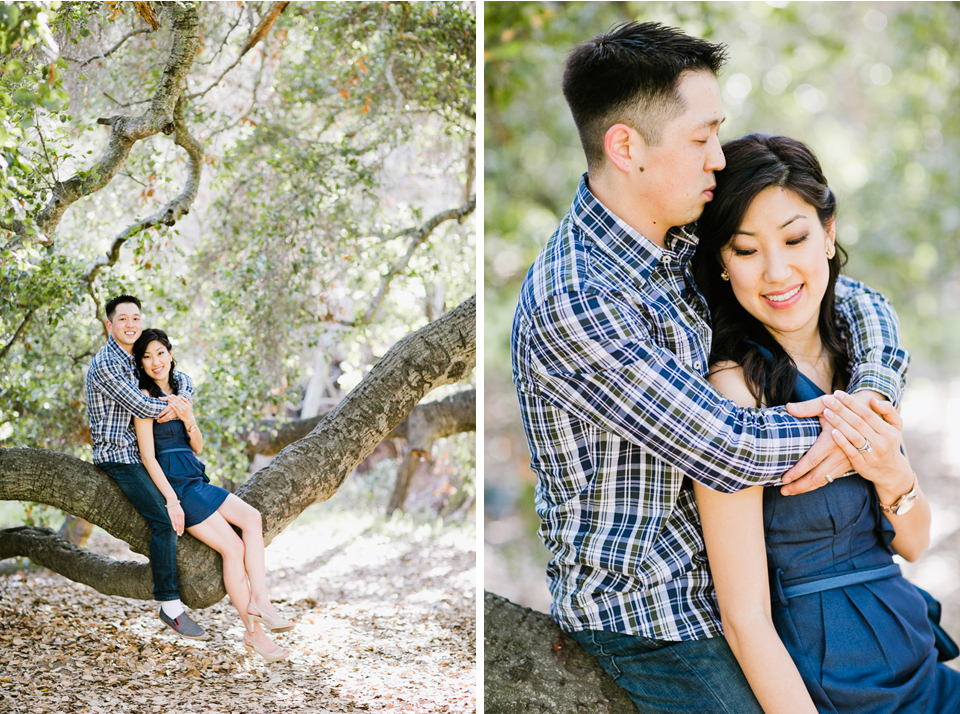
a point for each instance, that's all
(113, 399)
(610, 345)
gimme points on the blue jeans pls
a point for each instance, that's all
(693, 677)
(147, 499)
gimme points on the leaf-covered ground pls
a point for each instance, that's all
(385, 617)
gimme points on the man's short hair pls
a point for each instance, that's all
(119, 300)
(630, 76)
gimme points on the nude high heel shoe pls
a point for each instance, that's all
(275, 656)
(270, 623)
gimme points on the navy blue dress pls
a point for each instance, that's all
(186, 473)
(866, 648)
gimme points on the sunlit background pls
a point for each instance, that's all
(873, 88)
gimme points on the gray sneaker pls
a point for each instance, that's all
(183, 625)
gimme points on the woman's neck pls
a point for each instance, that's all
(806, 350)
(164, 385)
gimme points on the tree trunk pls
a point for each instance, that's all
(306, 472)
(530, 666)
(412, 461)
(424, 425)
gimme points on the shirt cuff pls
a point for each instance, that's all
(879, 378)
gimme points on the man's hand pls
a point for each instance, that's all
(825, 457)
(177, 408)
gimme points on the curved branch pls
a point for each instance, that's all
(16, 335)
(107, 53)
(125, 131)
(79, 488)
(312, 469)
(44, 547)
(169, 214)
(419, 236)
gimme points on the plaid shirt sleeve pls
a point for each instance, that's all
(185, 385)
(872, 332)
(109, 378)
(592, 356)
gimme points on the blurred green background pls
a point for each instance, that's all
(873, 88)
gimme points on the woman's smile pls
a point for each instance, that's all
(785, 298)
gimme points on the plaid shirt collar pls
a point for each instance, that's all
(117, 352)
(636, 254)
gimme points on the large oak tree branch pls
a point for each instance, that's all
(304, 473)
(530, 665)
(445, 417)
(312, 469)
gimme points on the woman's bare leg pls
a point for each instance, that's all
(248, 519)
(217, 533)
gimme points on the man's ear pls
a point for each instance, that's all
(624, 146)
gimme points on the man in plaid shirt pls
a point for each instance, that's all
(610, 346)
(113, 399)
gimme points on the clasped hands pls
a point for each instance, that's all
(177, 408)
(850, 422)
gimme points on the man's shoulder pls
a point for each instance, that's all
(103, 357)
(563, 266)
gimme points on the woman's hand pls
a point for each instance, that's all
(181, 408)
(871, 439)
(175, 511)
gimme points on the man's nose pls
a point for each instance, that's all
(716, 161)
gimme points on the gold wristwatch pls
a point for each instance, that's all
(905, 502)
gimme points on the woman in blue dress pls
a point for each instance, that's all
(207, 512)
(812, 604)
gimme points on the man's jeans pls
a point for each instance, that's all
(693, 677)
(147, 499)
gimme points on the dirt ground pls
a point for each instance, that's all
(385, 612)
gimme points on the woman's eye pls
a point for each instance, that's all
(744, 252)
(797, 241)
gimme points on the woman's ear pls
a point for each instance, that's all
(831, 228)
(623, 146)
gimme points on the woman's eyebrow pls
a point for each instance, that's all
(789, 221)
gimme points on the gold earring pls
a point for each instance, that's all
(831, 251)
(725, 275)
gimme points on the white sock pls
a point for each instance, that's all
(172, 608)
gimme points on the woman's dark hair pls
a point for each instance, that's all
(140, 347)
(754, 163)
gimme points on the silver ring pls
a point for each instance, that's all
(866, 449)
(829, 478)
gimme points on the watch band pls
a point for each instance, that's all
(905, 502)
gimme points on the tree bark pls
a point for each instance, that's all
(306, 472)
(530, 666)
